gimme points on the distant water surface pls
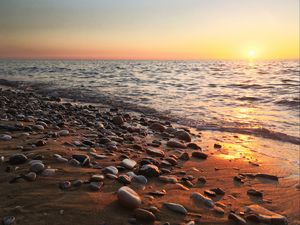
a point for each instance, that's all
(223, 95)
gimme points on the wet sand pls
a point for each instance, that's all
(41, 127)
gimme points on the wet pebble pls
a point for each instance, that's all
(65, 185)
(149, 170)
(128, 197)
(176, 207)
(143, 214)
(17, 159)
(175, 144)
(128, 163)
(236, 219)
(110, 170)
(155, 152)
(199, 155)
(95, 186)
(8, 220)
(37, 167)
(5, 137)
(183, 135)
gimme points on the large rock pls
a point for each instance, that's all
(128, 198)
(260, 214)
(149, 170)
(155, 152)
(175, 144)
(183, 135)
(199, 155)
(157, 127)
(176, 207)
(128, 163)
(17, 159)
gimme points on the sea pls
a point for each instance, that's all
(260, 98)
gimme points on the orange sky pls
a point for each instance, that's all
(140, 29)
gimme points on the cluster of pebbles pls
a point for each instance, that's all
(129, 149)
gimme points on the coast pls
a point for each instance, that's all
(67, 163)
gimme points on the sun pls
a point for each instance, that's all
(251, 54)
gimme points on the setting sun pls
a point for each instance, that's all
(251, 53)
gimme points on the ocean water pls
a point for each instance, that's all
(260, 98)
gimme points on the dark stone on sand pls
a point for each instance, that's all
(95, 186)
(128, 198)
(236, 219)
(124, 179)
(144, 214)
(155, 152)
(8, 220)
(199, 154)
(40, 143)
(83, 159)
(193, 146)
(118, 120)
(218, 191)
(149, 170)
(17, 159)
(210, 193)
(254, 192)
(175, 144)
(183, 135)
(157, 127)
(184, 156)
(217, 146)
(65, 185)
(267, 176)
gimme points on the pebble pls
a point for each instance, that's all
(236, 219)
(31, 176)
(218, 191)
(77, 183)
(95, 186)
(40, 143)
(267, 176)
(219, 210)
(176, 207)
(155, 152)
(157, 127)
(17, 159)
(175, 144)
(83, 159)
(111, 170)
(201, 198)
(193, 146)
(144, 214)
(199, 155)
(63, 133)
(217, 146)
(168, 179)
(183, 135)
(128, 163)
(128, 197)
(97, 178)
(65, 185)
(48, 172)
(5, 137)
(255, 193)
(149, 170)
(140, 179)
(184, 156)
(260, 214)
(118, 120)
(124, 179)
(37, 167)
(8, 220)
(72, 162)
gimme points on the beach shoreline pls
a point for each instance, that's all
(52, 131)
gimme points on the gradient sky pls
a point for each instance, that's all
(149, 29)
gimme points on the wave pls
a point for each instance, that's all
(86, 95)
(291, 103)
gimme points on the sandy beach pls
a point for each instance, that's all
(64, 163)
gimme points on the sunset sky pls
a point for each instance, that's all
(149, 29)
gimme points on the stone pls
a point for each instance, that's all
(199, 155)
(83, 159)
(168, 179)
(31, 176)
(155, 152)
(74, 162)
(128, 163)
(17, 159)
(255, 193)
(143, 214)
(63, 160)
(149, 170)
(118, 120)
(236, 219)
(95, 186)
(175, 144)
(183, 135)
(65, 185)
(124, 179)
(157, 127)
(263, 215)
(193, 146)
(171, 160)
(217, 146)
(128, 198)
(111, 170)
(38, 127)
(198, 197)
(219, 210)
(210, 193)
(37, 167)
(218, 191)
(40, 143)
(8, 220)
(97, 178)
(63, 133)
(77, 183)
(140, 179)
(176, 207)
(48, 172)
(5, 137)
(184, 156)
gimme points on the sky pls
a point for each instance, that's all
(149, 29)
